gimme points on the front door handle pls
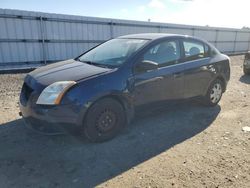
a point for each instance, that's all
(155, 79)
(178, 75)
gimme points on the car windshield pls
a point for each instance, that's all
(112, 53)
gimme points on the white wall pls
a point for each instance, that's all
(33, 37)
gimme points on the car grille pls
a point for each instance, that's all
(26, 91)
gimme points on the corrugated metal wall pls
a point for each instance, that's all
(33, 38)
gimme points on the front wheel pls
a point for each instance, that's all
(214, 93)
(104, 120)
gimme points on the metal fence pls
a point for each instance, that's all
(28, 39)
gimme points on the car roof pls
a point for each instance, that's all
(153, 36)
(156, 36)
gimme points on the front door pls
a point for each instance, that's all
(162, 83)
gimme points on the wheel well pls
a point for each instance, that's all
(223, 82)
(121, 100)
(116, 98)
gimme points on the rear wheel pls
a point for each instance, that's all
(104, 120)
(214, 93)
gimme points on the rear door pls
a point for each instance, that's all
(197, 67)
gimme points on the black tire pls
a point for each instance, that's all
(209, 100)
(246, 71)
(104, 120)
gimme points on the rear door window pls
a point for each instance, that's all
(195, 50)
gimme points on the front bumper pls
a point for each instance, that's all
(47, 119)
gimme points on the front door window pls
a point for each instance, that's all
(165, 53)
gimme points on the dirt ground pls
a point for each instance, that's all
(183, 145)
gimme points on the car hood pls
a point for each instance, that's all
(63, 71)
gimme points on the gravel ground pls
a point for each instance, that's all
(185, 145)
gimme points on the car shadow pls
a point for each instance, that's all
(245, 79)
(29, 159)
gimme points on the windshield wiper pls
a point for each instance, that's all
(94, 63)
(88, 62)
(99, 64)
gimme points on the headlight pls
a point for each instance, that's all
(53, 93)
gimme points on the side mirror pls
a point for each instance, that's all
(146, 65)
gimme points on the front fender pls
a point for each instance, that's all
(120, 97)
(87, 92)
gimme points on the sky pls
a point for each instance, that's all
(217, 13)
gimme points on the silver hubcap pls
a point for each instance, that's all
(216, 92)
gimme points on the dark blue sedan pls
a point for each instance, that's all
(98, 91)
